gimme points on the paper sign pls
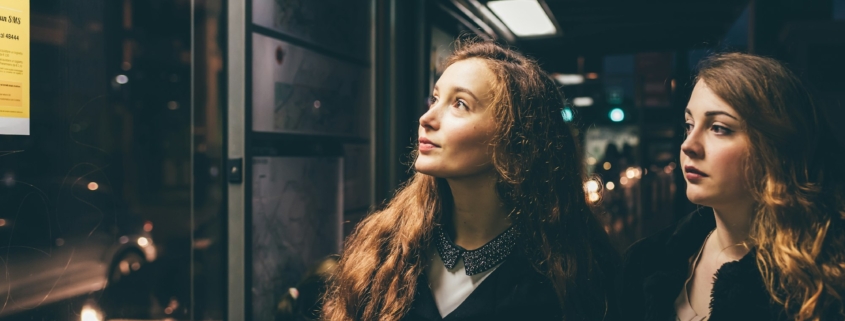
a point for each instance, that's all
(14, 67)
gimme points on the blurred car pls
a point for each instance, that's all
(65, 238)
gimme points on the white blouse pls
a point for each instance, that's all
(683, 307)
(452, 286)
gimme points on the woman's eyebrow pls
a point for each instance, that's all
(713, 113)
(719, 112)
(461, 90)
(467, 91)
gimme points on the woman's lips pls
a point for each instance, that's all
(426, 145)
(693, 174)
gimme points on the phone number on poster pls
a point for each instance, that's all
(9, 36)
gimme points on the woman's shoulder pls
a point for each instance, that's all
(679, 239)
(650, 245)
(642, 259)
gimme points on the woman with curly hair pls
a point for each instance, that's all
(494, 224)
(768, 243)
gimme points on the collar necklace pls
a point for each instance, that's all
(478, 260)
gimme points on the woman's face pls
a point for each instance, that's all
(455, 133)
(714, 152)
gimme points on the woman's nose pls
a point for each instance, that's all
(429, 119)
(692, 146)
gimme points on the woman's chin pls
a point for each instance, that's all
(703, 201)
(698, 198)
(423, 168)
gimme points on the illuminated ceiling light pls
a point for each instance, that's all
(617, 115)
(93, 186)
(121, 79)
(525, 18)
(607, 165)
(582, 101)
(610, 186)
(569, 79)
(592, 75)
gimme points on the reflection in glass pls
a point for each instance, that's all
(96, 213)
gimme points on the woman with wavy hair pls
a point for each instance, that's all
(494, 224)
(768, 243)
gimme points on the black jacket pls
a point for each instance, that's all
(514, 291)
(655, 269)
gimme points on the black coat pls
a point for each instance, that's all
(514, 291)
(655, 269)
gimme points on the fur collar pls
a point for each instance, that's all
(738, 289)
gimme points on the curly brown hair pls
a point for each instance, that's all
(795, 175)
(540, 178)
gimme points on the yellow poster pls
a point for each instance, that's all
(14, 67)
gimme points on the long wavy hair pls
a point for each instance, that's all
(795, 174)
(540, 178)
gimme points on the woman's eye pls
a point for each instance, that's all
(721, 130)
(461, 104)
(687, 128)
(431, 100)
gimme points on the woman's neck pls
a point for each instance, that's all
(733, 225)
(478, 214)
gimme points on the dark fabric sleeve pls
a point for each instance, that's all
(611, 266)
(631, 279)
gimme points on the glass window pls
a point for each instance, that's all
(111, 206)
